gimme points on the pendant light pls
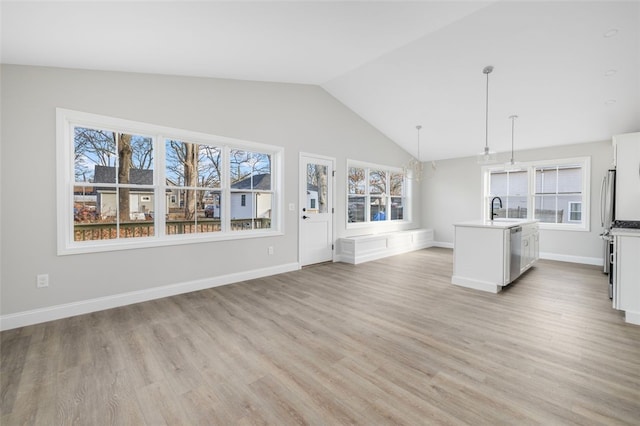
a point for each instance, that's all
(512, 165)
(413, 169)
(487, 156)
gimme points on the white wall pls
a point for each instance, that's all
(297, 117)
(452, 192)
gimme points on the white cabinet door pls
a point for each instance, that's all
(525, 259)
(529, 246)
(628, 273)
(627, 149)
(536, 246)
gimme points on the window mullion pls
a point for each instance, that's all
(160, 180)
(225, 188)
(367, 201)
(387, 210)
(531, 197)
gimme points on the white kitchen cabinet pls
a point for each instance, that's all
(529, 246)
(626, 150)
(482, 253)
(626, 293)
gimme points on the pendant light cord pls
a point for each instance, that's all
(513, 126)
(513, 122)
(487, 70)
(486, 124)
(419, 127)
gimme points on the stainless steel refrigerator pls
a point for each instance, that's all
(607, 206)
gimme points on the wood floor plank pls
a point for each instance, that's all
(385, 342)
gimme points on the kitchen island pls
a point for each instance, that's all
(489, 255)
(626, 273)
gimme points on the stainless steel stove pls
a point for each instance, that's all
(629, 224)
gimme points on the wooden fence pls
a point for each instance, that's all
(546, 216)
(136, 229)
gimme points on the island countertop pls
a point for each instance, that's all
(497, 224)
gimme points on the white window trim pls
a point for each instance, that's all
(584, 162)
(65, 121)
(407, 208)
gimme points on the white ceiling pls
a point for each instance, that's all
(397, 64)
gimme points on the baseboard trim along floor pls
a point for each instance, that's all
(50, 313)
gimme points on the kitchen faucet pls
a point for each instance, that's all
(492, 213)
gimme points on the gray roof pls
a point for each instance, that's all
(260, 182)
(104, 174)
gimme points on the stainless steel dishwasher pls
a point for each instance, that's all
(515, 252)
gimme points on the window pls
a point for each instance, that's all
(511, 187)
(556, 186)
(575, 211)
(552, 192)
(123, 184)
(375, 194)
(251, 185)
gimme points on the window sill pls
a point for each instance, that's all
(150, 242)
(563, 227)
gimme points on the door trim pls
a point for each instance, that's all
(301, 202)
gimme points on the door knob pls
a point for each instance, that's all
(305, 217)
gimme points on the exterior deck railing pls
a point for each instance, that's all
(136, 229)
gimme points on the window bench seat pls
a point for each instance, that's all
(363, 248)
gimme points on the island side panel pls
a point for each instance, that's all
(480, 259)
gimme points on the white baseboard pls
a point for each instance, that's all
(572, 259)
(50, 313)
(442, 244)
(632, 317)
(475, 284)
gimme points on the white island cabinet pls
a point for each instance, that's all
(626, 276)
(489, 255)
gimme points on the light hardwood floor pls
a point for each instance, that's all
(385, 342)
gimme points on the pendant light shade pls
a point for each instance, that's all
(487, 156)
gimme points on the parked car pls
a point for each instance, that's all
(209, 211)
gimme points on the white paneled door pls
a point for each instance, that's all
(315, 208)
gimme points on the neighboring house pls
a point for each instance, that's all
(559, 199)
(140, 200)
(246, 199)
(312, 198)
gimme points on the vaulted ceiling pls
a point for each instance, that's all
(570, 70)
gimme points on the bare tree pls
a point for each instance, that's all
(190, 179)
(142, 153)
(377, 181)
(209, 164)
(124, 166)
(182, 163)
(317, 177)
(356, 180)
(244, 164)
(396, 182)
(92, 147)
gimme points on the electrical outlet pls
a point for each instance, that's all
(270, 250)
(42, 280)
